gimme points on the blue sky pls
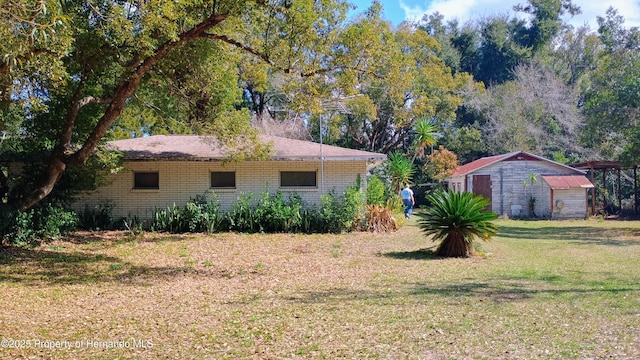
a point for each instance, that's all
(397, 11)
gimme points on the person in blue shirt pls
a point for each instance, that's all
(407, 200)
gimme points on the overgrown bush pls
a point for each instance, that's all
(26, 228)
(327, 218)
(96, 218)
(275, 214)
(352, 208)
(344, 213)
(375, 191)
(243, 216)
(271, 213)
(198, 215)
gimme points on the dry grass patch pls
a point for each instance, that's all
(550, 290)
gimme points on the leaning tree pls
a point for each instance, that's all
(70, 70)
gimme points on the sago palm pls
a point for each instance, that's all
(456, 219)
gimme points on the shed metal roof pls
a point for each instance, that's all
(565, 182)
(516, 155)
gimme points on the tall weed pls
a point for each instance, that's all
(198, 215)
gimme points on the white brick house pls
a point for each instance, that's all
(164, 170)
(560, 190)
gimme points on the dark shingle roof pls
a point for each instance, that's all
(194, 147)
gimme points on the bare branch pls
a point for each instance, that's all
(129, 85)
(286, 70)
(239, 45)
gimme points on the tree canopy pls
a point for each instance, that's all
(76, 73)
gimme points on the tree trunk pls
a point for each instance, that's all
(50, 178)
(454, 245)
(4, 185)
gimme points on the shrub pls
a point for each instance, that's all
(98, 218)
(242, 218)
(351, 208)
(197, 215)
(337, 214)
(274, 214)
(455, 219)
(26, 228)
(271, 213)
(328, 215)
(57, 221)
(375, 191)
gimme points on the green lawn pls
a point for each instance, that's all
(546, 290)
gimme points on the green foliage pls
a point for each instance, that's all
(271, 213)
(27, 228)
(455, 219)
(399, 79)
(82, 71)
(96, 218)
(400, 169)
(611, 101)
(375, 191)
(275, 214)
(338, 214)
(351, 208)
(545, 23)
(243, 217)
(198, 215)
(328, 215)
(425, 136)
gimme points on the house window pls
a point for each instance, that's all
(146, 180)
(298, 179)
(223, 179)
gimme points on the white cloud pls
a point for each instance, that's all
(465, 10)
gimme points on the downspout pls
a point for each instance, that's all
(501, 194)
(619, 192)
(551, 194)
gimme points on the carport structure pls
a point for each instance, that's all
(606, 167)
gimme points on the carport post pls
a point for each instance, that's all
(619, 192)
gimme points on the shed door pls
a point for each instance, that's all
(482, 186)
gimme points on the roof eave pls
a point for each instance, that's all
(282, 158)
